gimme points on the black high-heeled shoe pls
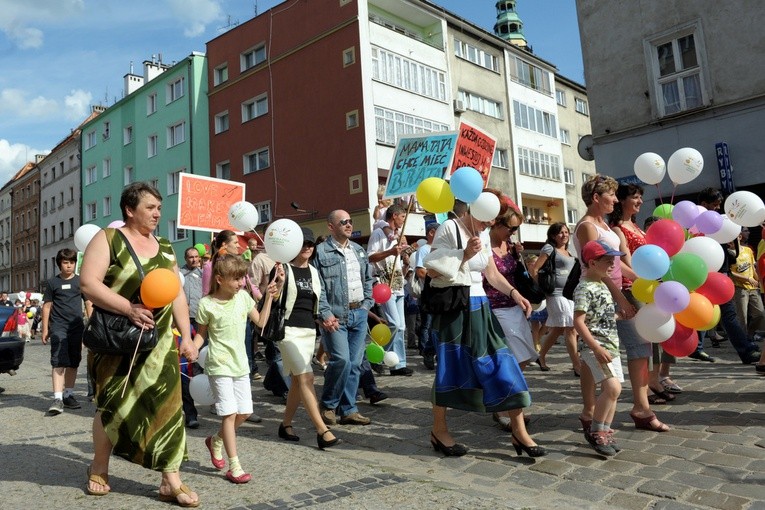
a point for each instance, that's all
(531, 451)
(323, 443)
(287, 436)
(456, 450)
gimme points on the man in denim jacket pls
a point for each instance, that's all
(346, 297)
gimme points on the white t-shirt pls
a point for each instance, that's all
(378, 242)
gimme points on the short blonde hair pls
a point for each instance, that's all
(597, 184)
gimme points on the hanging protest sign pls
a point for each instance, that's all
(475, 148)
(418, 157)
(203, 202)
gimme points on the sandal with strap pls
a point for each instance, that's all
(100, 479)
(173, 496)
(647, 423)
(669, 397)
(669, 385)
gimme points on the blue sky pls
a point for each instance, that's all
(57, 57)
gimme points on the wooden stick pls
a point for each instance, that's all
(401, 236)
(132, 361)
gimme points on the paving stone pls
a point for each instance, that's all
(552, 467)
(751, 452)
(717, 500)
(754, 490)
(493, 470)
(653, 472)
(630, 501)
(581, 490)
(673, 505)
(695, 480)
(649, 459)
(587, 474)
(721, 459)
(725, 473)
(662, 489)
(532, 479)
(622, 482)
(675, 451)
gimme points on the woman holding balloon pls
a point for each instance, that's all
(146, 425)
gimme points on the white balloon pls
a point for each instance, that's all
(684, 165)
(485, 207)
(727, 233)
(84, 234)
(650, 168)
(744, 208)
(33, 309)
(243, 216)
(390, 359)
(653, 324)
(283, 240)
(708, 249)
(200, 390)
(202, 359)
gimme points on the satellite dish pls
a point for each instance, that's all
(584, 148)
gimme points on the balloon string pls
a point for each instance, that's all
(674, 188)
(132, 361)
(658, 192)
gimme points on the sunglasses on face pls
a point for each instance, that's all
(512, 230)
(347, 221)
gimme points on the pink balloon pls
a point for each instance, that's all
(381, 293)
(666, 234)
(685, 213)
(671, 297)
(116, 224)
(709, 222)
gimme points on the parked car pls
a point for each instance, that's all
(11, 345)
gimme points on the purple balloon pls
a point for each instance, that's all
(671, 297)
(685, 213)
(709, 222)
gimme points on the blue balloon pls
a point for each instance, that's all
(650, 262)
(466, 184)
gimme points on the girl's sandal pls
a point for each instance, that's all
(173, 496)
(102, 479)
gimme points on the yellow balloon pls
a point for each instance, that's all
(643, 289)
(435, 196)
(176, 332)
(380, 334)
(715, 319)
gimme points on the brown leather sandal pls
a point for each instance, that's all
(102, 479)
(173, 496)
(647, 423)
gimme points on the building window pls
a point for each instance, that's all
(175, 233)
(253, 57)
(176, 134)
(175, 90)
(677, 70)
(531, 76)
(71, 227)
(264, 212)
(90, 176)
(174, 182)
(107, 167)
(480, 104)
(223, 170)
(401, 72)
(390, 125)
(349, 57)
(500, 158)
(107, 130)
(538, 164)
(128, 175)
(572, 216)
(151, 146)
(127, 135)
(221, 122)
(107, 206)
(535, 120)
(254, 108)
(90, 140)
(352, 119)
(90, 215)
(568, 176)
(256, 161)
(220, 74)
(580, 105)
(151, 103)
(560, 97)
(565, 136)
(52, 205)
(476, 55)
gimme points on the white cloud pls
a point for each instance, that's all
(13, 157)
(18, 15)
(16, 102)
(196, 14)
(25, 37)
(77, 104)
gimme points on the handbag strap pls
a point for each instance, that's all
(130, 250)
(459, 237)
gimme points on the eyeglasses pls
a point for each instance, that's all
(512, 230)
(347, 221)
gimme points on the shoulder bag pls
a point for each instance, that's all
(546, 274)
(573, 280)
(525, 283)
(273, 331)
(115, 334)
(438, 300)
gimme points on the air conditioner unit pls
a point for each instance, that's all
(459, 106)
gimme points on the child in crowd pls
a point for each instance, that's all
(595, 322)
(24, 324)
(221, 316)
(538, 317)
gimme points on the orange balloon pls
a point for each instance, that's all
(159, 287)
(698, 314)
(715, 319)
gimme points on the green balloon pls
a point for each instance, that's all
(201, 249)
(688, 269)
(664, 211)
(375, 353)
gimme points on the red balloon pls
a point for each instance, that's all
(381, 293)
(761, 263)
(681, 343)
(666, 234)
(29, 295)
(718, 288)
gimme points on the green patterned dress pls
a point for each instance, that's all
(146, 425)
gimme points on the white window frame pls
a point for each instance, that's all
(572, 216)
(220, 74)
(106, 167)
(349, 56)
(565, 136)
(175, 233)
(476, 55)
(531, 76)
(151, 103)
(106, 206)
(91, 175)
(175, 90)
(107, 130)
(528, 117)
(253, 57)
(254, 108)
(500, 159)
(581, 106)
(481, 104)
(264, 212)
(568, 176)
(352, 119)
(90, 139)
(152, 143)
(390, 125)
(174, 182)
(401, 72)
(261, 155)
(221, 122)
(538, 164)
(90, 213)
(127, 135)
(223, 170)
(176, 134)
(128, 175)
(560, 97)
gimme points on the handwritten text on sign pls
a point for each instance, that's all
(475, 148)
(417, 158)
(203, 202)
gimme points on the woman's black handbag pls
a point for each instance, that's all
(273, 331)
(525, 283)
(546, 274)
(573, 280)
(437, 300)
(115, 334)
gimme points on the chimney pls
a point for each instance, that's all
(97, 108)
(153, 68)
(133, 82)
(39, 157)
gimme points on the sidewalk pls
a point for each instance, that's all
(714, 457)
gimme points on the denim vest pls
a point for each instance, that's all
(330, 262)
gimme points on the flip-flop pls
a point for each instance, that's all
(669, 385)
(663, 394)
(102, 479)
(173, 496)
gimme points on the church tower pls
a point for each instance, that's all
(509, 26)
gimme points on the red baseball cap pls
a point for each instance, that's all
(596, 249)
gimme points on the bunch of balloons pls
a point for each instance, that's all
(683, 166)
(436, 195)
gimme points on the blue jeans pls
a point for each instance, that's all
(346, 350)
(734, 330)
(367, 380)
(393, 312)
(427, 334)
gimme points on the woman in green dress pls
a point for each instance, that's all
(145, 426)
